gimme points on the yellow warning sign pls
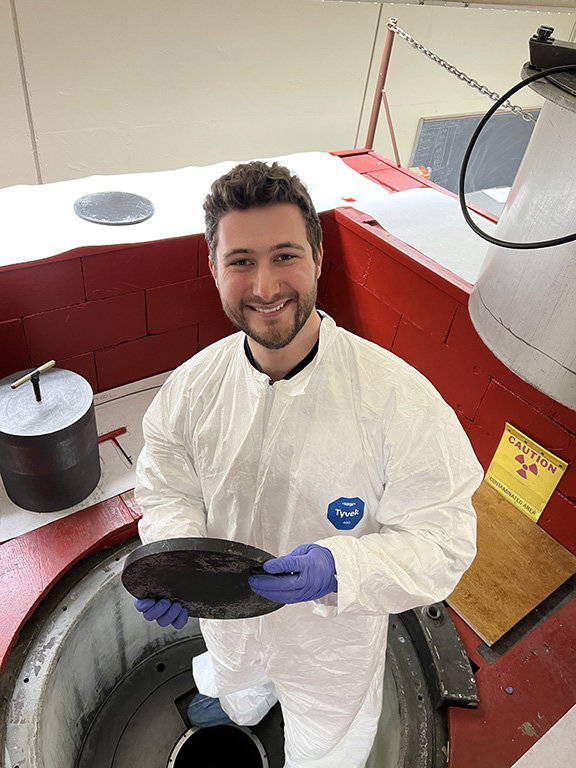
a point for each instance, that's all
(524, 473)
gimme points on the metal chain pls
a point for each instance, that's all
(393, 27)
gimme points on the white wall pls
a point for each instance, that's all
(490, 46)
(122, 86)
(16, 147)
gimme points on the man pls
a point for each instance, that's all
(306, 441)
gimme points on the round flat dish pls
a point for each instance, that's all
(209, 577)
(114, 208)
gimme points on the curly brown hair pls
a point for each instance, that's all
(257, 184)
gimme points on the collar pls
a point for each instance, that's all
(297, 368)
(298, 384)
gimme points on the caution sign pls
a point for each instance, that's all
(524, 473)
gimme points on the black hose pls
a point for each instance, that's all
(487, 116)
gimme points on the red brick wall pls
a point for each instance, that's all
(113, 315)
(123, 313)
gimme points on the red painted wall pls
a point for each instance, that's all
(113, 315)
(119, 314)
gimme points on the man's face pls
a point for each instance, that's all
(265, 272)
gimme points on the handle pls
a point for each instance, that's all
(34, 377)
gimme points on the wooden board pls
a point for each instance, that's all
(518, 565)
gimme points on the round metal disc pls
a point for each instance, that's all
(114, 208)
(207, 576)
(565, 80)
(559, 88)
(66, 398)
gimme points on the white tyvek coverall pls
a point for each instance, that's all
(229, 456)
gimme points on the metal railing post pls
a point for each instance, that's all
(386, 53)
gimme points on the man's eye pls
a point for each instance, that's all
(239, 263)
(286, 256)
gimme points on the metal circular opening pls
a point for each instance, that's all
(95, 685)
(220, 745)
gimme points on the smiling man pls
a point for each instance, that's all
(267, 274)
(302, 439)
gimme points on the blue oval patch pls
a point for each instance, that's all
(345, 513)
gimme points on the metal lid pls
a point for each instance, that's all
(207, 576)
(560, 88)
(114, 208)
(66, 397)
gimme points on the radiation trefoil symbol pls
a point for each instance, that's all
(525, 468)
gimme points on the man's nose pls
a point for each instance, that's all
(266, 284)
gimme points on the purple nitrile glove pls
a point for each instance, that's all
(164, 612)
(307, 573)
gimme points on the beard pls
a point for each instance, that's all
(278, 334)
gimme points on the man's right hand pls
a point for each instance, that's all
(164, 612)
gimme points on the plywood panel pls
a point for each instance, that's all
(517, 566)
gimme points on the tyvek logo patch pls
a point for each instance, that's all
(345, 513)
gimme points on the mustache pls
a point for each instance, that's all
(270, 303)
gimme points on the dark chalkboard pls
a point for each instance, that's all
(442, 141)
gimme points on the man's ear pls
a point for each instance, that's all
(212, 269)
(319, 262)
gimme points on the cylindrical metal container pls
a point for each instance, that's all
(524, 303)
(49, 456)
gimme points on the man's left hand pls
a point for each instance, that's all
(307, 573)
